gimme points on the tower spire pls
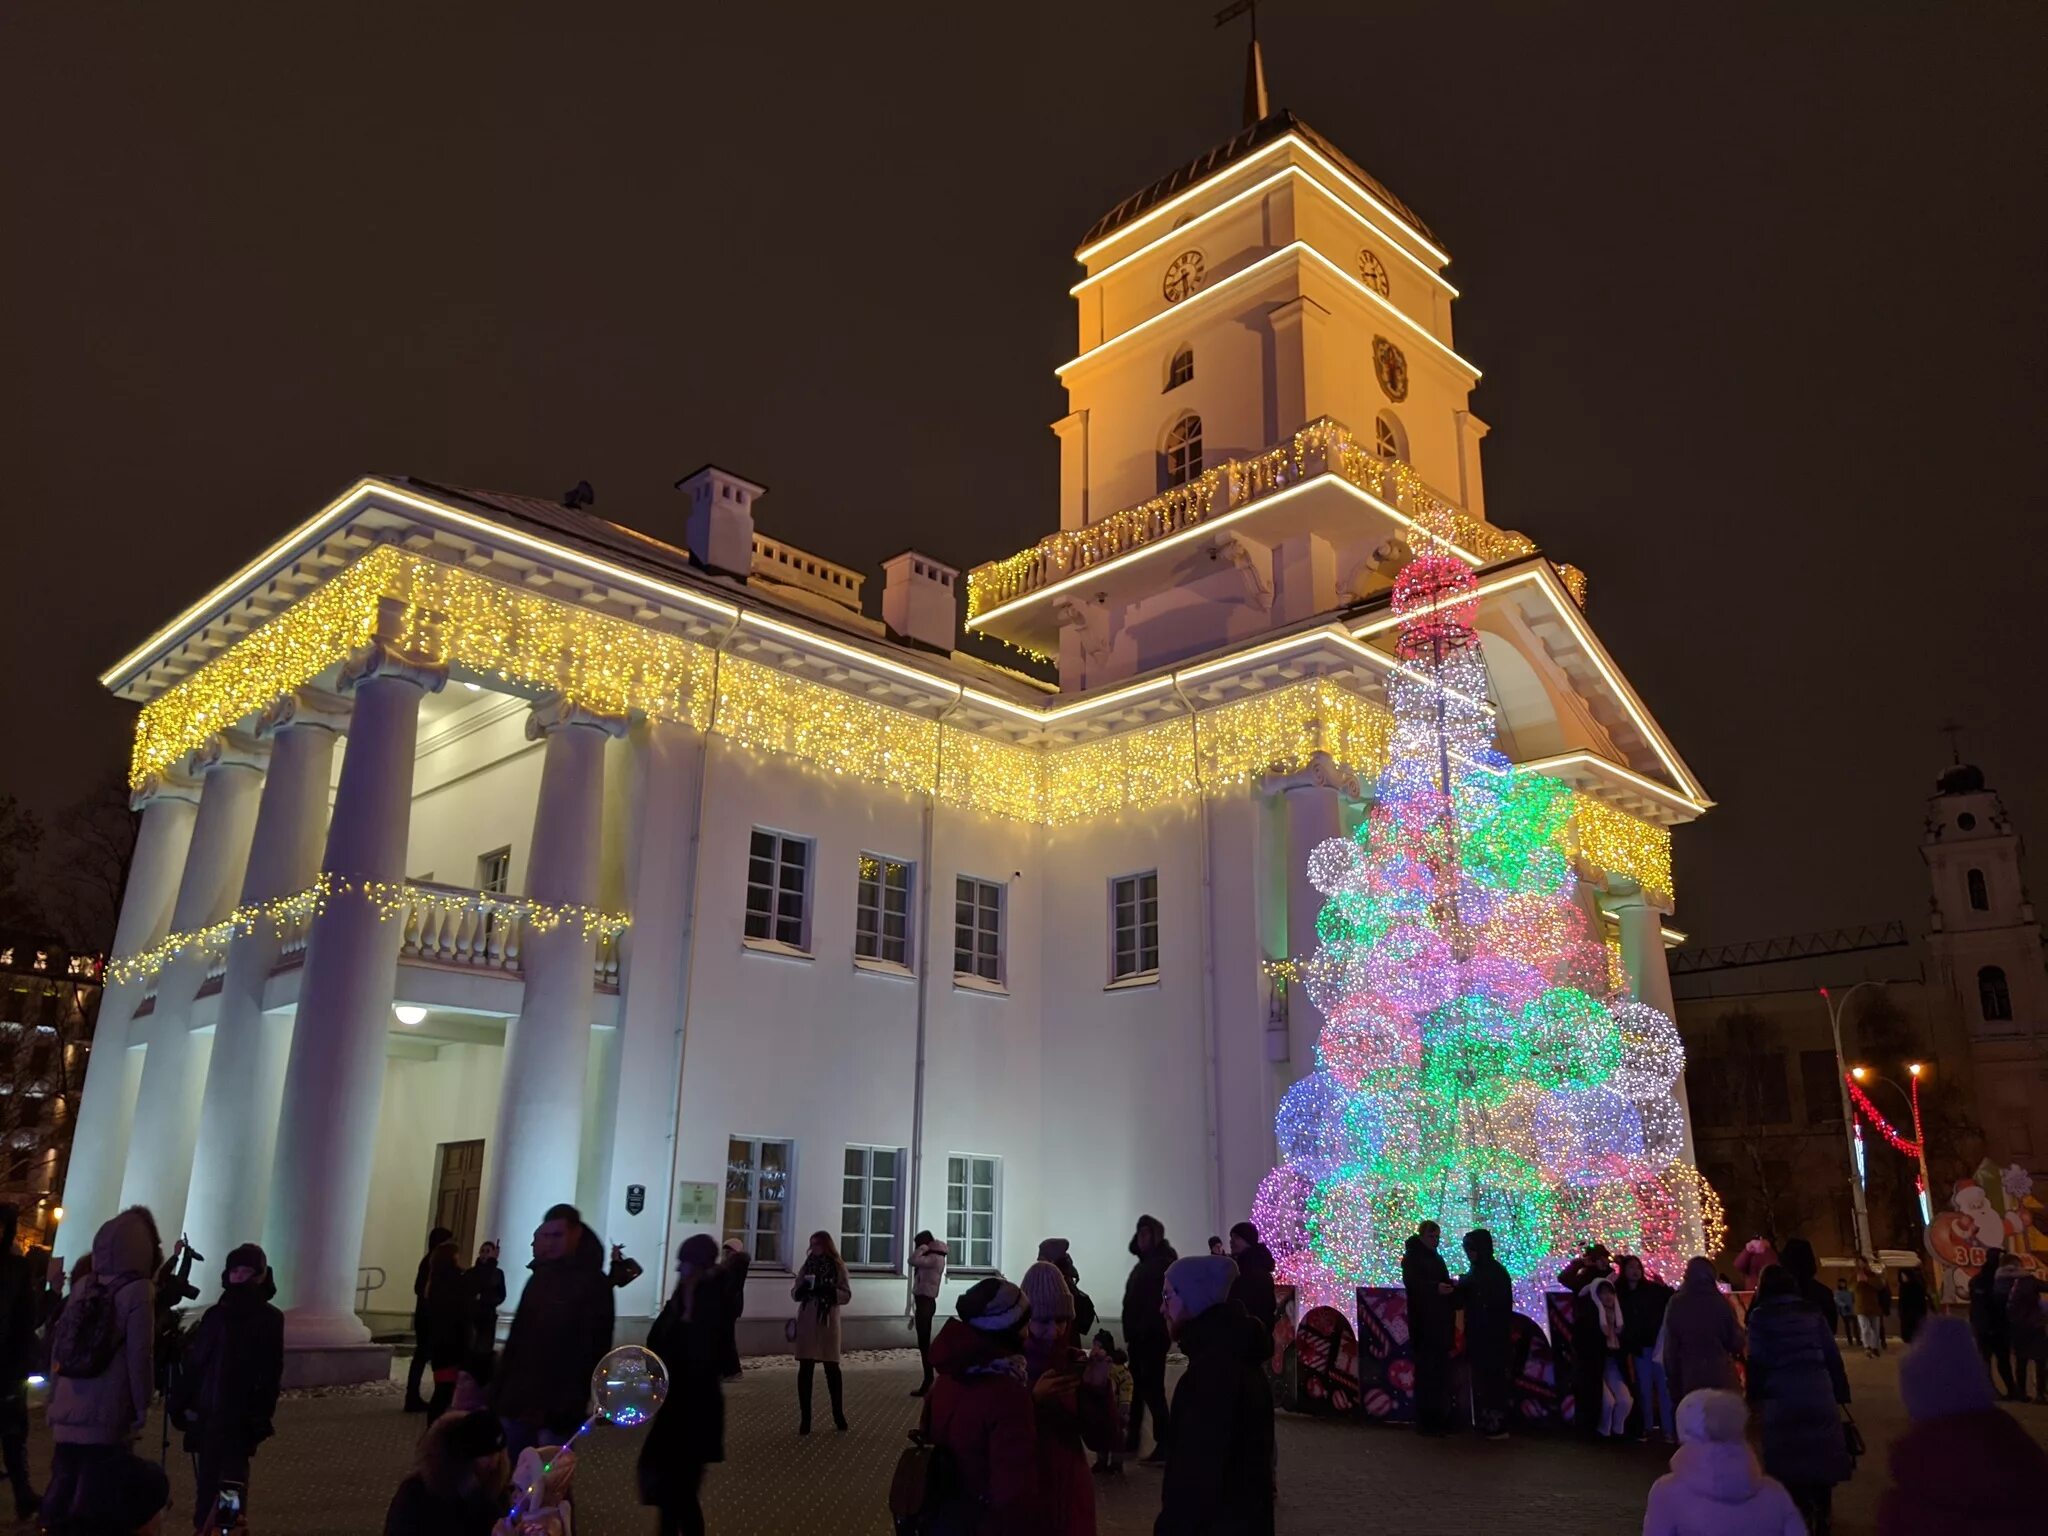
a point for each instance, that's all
(1255, 107)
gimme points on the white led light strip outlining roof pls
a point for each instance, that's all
(1183, 231)
(1243, 275)
(1343, 177)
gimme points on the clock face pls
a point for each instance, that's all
(1392, 368)
(1183, 277)
(1373, 272)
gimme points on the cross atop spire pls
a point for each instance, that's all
(1255, 108)
(1954, 733)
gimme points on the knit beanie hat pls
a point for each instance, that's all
(1202, 1281)
(992, 1306)
(1046, 1289)
(1941, 1374)
(699, 1251)
(1710, 1414)
(1245, 1231)
(1053, 1249)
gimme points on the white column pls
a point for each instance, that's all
(231, 1168)
(1314, 800)
(532, 1160)
(654, 961)
(1649, 974)
(334, 1076)
(99, 1143)
(166, 1124)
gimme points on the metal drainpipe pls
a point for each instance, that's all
(675, 1125)
(924, 962)
(1212, 1106)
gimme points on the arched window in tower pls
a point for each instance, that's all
(1980, 897)
(1389, 440)
(1181, 370)
(1994, 998)
(1183, 451)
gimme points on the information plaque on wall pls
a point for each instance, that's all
(697, 1204)
(636, 1199)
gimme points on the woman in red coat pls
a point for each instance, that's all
(1966, 1465)
(980, 1410)
(1075, 1405)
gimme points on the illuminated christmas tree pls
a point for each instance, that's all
(1476, 1064)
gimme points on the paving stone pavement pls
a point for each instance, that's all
(336, 1459)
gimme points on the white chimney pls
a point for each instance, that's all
(920, 600)
(720, 531)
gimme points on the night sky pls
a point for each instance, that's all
(1757, 290)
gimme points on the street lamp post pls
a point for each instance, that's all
(1859, 1213)
(1912, 1098)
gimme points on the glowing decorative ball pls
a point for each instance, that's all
(1569, 1040)
(1573, 1127)
(1498, 1191)
(1357, 1224)
(1363, 1040)
(1605, 1213)
(1335, 864)
(628, 1385)
(1280, 1212)
(1652, 1055)
(1314, 1133)
(1663, 1130)
(1469, 1051)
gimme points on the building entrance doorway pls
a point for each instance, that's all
(458, 1186)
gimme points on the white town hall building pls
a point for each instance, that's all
(494, 854)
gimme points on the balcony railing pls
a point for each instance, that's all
(1322, 447)
(439, 924)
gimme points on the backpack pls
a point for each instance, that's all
(87, 1338)
(925, 1497)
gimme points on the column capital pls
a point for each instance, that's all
(304, 709)
(164, 786)
(381, 659)
(1321, 771)
(554, 712)
(229, 749)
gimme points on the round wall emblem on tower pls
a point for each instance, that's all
(1391, 367)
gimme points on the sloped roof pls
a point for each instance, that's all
(1249, 141)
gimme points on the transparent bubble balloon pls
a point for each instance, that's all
(629, 1385)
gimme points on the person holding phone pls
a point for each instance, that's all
(227, 1393)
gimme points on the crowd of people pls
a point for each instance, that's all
(1026, 1403)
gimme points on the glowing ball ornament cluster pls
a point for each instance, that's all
(1475, 1065)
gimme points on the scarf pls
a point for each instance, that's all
(823, 1274)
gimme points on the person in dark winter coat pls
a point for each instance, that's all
(461, 1483)
(1965, 1465)
(2027, 1327)
(1074, 1402)
(1796, 1383)
(1057, 1252)
(486, 1284)
(1989, 1321)
(1219, 1472)
(561, 1329)
(1643, 1302)
(1586, 1268)
(689, 1431)
(414, 1401)
(1431, 1311)
(227, 1392)
(125, 1496)
(1912, 1304)
(1254, 1261)
(1487, 1293)
(447, 1325)
(21, 1287)
(1701, 1339)
(1145, 1335)
(733, 1263)
(1797, 1256)
(980, 1412)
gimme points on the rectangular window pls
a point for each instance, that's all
(867, 1207)
(1823, 1095)
(1134, 924)
(494, 871)
(1772, 1104)
(971, 1210)
(778, 889)
(978, 929)
(759, 1184)
(881, 916)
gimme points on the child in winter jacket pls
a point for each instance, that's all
(1715, 1487)
(1122, 1384)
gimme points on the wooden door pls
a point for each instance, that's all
(457, 1189)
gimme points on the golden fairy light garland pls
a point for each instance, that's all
(611, 666)
(1323, 446)
(390, 897)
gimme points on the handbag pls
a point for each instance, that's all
(789, 1330)
(1852, 1437)
(924, 1492)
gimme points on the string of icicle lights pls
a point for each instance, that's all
(1478, 1064)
